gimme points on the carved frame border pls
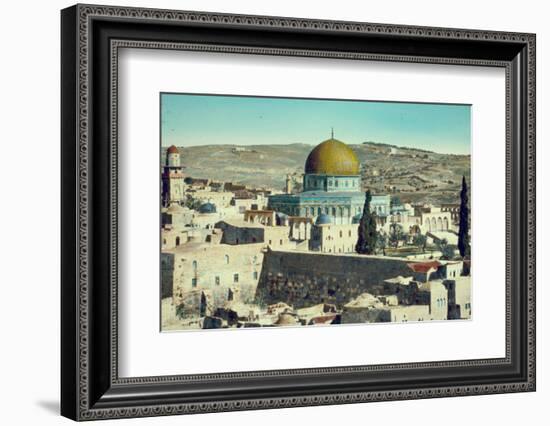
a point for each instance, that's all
(85, 13)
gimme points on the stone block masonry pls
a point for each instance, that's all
(303, 279)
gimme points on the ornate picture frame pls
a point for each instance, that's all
(90, 40)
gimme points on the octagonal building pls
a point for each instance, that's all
(332, 187)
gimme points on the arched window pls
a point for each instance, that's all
(226, 258)
(177, 241)
(195, 265)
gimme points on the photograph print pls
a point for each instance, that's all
(312, 212)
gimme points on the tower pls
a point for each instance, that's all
(288, 184)
(173, 185)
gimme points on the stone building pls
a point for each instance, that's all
(263, 217)
(254, 202)
(367, 309)
(208, 214)
(454, 209)
(424, 271)
(329, 238)
(219, 198)
(434, 293)
(176, 216)
(300, 228)
(174, 237)
(219, 268)
(331, 186)
(237, 232)
(460, 293)
(424, 219)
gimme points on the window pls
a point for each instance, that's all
(280, 242)
(349, 233)
(195, 265)
(194, 282)
(217, 280)
(340, 234)
(177, 241)
(255, 275)
(226, 258)
(235, 278)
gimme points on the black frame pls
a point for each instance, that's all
(91, 37)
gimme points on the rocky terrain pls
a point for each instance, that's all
(412, 174)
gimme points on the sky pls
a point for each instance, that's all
(191, 119)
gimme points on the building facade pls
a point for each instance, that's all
(222, 269)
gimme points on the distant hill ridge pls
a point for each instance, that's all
(413, 172)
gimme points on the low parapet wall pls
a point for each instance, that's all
(303, 279)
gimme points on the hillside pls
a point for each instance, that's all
(412, 174)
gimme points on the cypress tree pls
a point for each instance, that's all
(463, 237)
(366, 241)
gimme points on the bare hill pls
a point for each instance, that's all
(412, 174)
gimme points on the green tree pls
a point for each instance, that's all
(463, 224)
(396, 234)
(447, 251)
(193, 204)
(381, 242)
(420, 241)
(366, 241)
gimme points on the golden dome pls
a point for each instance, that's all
(332, 157)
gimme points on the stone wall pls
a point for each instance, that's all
(305, 279)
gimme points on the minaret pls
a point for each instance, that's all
(173, 186)
(288, 184)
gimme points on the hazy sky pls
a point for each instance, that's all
(188, 120)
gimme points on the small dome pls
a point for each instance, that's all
(173, 150)
(323, 219)
(286, 319)
(207, 208)
(357, 218)
(332, 157)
